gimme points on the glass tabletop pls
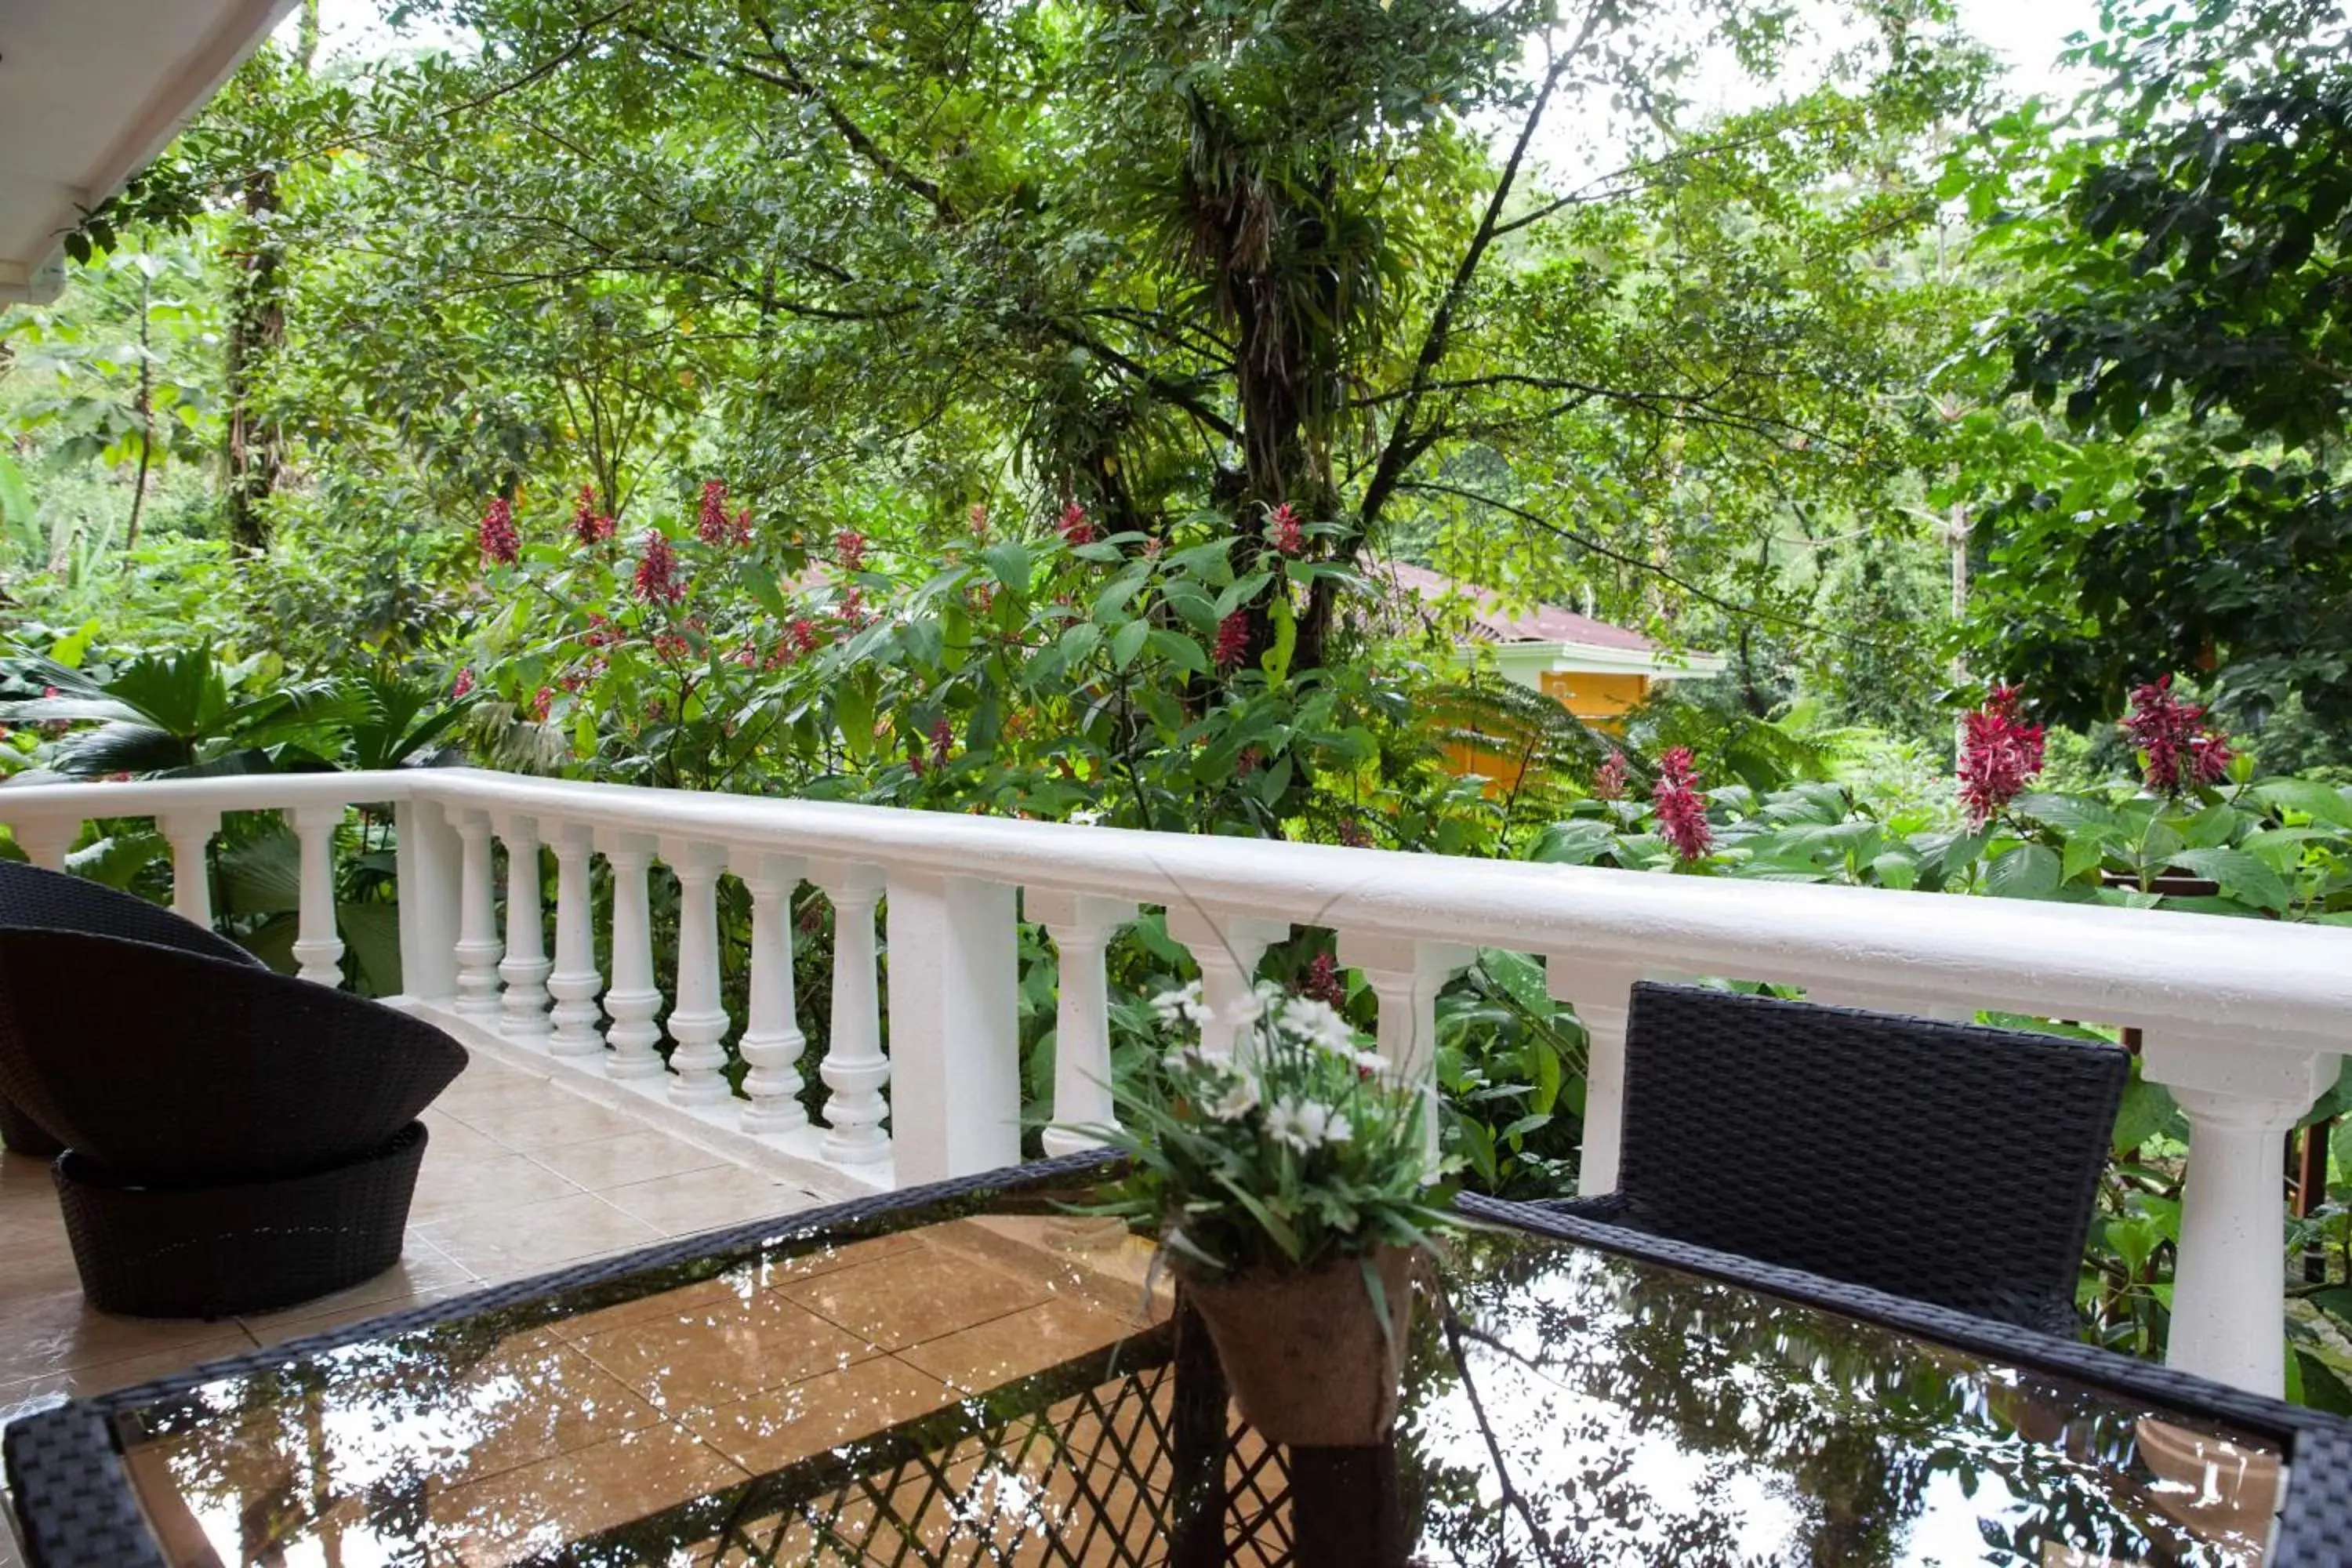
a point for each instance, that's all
(998, 1381)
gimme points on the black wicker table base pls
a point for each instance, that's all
(209, 1252)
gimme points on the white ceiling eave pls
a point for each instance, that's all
(90, 90)
(1591, 658)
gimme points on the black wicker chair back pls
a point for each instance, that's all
(31, 896)
(174, 1068)
(1944, 1161)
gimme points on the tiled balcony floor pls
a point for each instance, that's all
(520, 1176)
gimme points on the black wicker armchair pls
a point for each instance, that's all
(236, 1140)
(48, 900)
(1946, 1162)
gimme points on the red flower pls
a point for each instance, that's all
(1355, 834)
(589, 525)
(805, 639)
(2178, 750)
(1284, 531)
(747, 656)
(742, 530)
(1323, 982)
(1153, 546)
(464, 685)
(943, 738)
(601, 633)
(854, 613)
(2000, 754)
(541, 701)
(496, 534)
(979, 518)
(1610, 782)
(711, 526)
(656, 576)
(1682, 814)
(1233, 641)
(849, 550)
(1076, 529)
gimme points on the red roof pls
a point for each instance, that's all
(1545, 623)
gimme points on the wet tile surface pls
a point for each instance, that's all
(495, 1439)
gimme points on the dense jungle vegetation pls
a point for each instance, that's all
(1008, 408)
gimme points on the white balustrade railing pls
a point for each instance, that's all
(2244, 1020)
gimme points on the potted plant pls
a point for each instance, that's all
(1290, 1184)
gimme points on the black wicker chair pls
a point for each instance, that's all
(1946, 1162)
(237, 1140)
(49, 900)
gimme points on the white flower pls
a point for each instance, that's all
(1238, 1100)
(1305, 1125)
(1087, 818)
(1370, 1061)
(1183, 1003)
(1318, 1024)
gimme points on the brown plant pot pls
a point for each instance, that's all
(1304, 1352)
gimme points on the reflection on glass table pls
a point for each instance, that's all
(992, 1379)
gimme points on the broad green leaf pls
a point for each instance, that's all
(1011, 563)
(1127, 641)
(2321, 803)
(2023, 871)
(1179, 649)
(2241, 876)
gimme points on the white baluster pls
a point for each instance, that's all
(316, 946)
(1602, 994)
(1081, 925)
(478, 949)
(772, 1043)
(1227, 947)
(633, 1001)
(189, 833)
(525, 967)
(429, 856)
(854, 1069)
(573, 981)
(2228, 1289)
(698, 1023)
(1406, 975)
(46, 840)
(955, 1025)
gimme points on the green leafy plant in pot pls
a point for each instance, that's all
(1289, 1178)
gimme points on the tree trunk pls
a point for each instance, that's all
(146, 418)
(256, 327)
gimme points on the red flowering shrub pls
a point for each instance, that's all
(849, 550)
(541, 701)
(710, 526)
(589, 525)
(2179, 752)
(1284, 532)
(499, 541)
(1323, 982)
(1682, 814)
(1074, 526)
(1233, 641)
(464, 685)
(1610, 781)
(943, 738)
(656, 582)
(2000, 755)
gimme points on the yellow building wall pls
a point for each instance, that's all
(1596, 698)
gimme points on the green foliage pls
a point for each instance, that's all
(2189, 317)
(1294, 1150)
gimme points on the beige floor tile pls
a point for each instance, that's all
(703, 1296)
(447, 1188)
(424, 1273)
(529, 1511)
(26, 1395)
(831, 1257)
(994, 1353)
(706, 1200)
(631, 1157)
(776, 1428)
(59, 1331)
(723, 1348)
(561, 1121)
(922, 1293)
(453, 1138)
(510, 1242)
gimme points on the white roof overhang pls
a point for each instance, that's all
(1590, 658)
(90, 91)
